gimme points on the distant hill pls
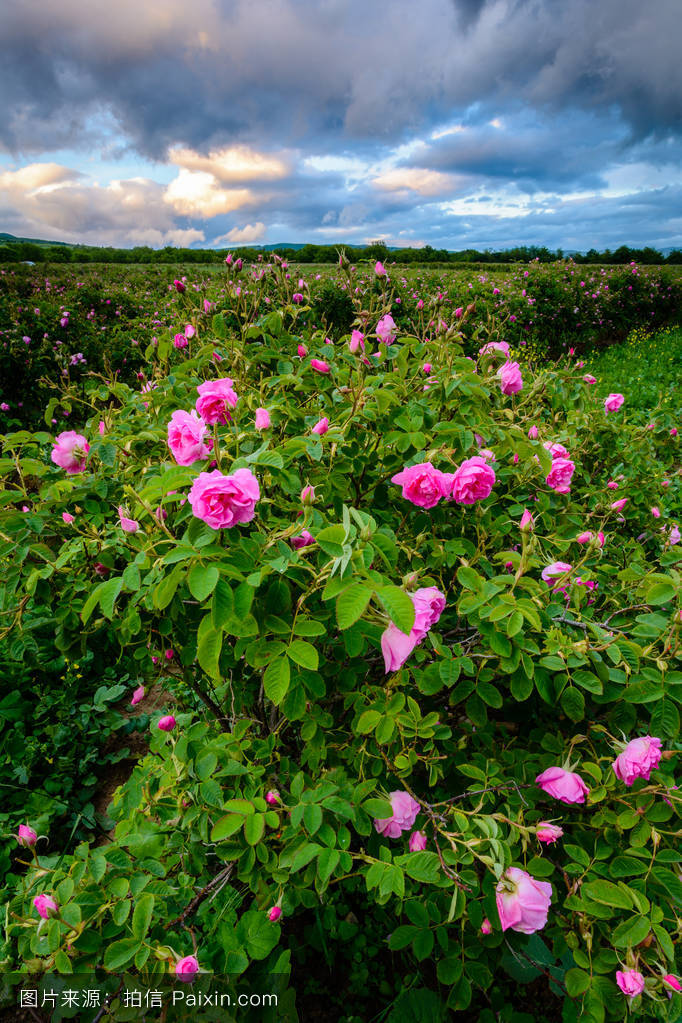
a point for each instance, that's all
(4, 237)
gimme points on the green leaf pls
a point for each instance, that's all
(607, 893)
(312, 817)
(165, 590)
(202, 580)
(399, 606)
(226, 826)
(142, 915)
(108, 595)
(304, 654)
(368, 721)
(420, 866)
(577, 982)
(380, 809)
(222, 605)
(351, 603)
(573, 703)
(254, 826)
(276, 679)
(661, 593)
(209, 645)
(327, 862)
(470, 579)
(630, 932)
(331, 540)
(119, 953)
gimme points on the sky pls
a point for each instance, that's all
(454, 123)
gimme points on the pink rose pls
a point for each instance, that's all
(613, 402)
(417, 842)
(272, 797)
(548, 833)
(320, 366)
(180, 341)
(386, 329)
(422, 484)
(215, 396)
(186, 432)
(274, 914)
(429, 604)
(308, 494)
(564, 785)
(127, 525)
(494, 346)
(639, 758)
(405, 810)
(426, 368)
(26, 836)
(522, 902)
(186, 969)
(224, 501)
(619, 504)
(262, 419)
(472, 481)
(559, 476)
(67, 518)
(167, 723)
(533, 433)
(321, 426)
(357, 340)
(631, 982)
(553, 571)
(46, 906)
(138, 696)
(486, 927)
(304, 540)
(396, 646)
(180, 286)
(511, 381)
(379, 269)
(589, 379)
(671, 980)
(70, 451)
(656, 512)
(301, 351)
(556, 450)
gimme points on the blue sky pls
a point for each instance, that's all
(457, 123)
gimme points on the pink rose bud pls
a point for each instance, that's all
(459, 312)
(186, 969)
(320, 366)
(585, 537)
(101, 569)
(589, 379)
(564, 785)
(127, 525)
(304, 540)
(522, 901)
(308, 495)
(321, 426)
(638, 759)
(527, 523)
(67, 518)
(180, 287)
(571, 351)
(612, 485)
(631, 982)
(673, 432)
(357, 340)
(169, 655)
(515, 459)
(417, 842)
(262, 419)
(405, 810)
(102, 427)
(272, 797)
(426, 368)
(189, 331)
(167, 723)
(486, 927)
(619, 504)
(302, 351)
(138, 696)
(671, 980)
(548, 833)
(379, 269)
(613, 402)
(26, 836)
(665, 483)
(274, 913)
(46, 906)
(533, 433)
(656, 512)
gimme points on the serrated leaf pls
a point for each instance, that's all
(303, 654)
(276, 679)
(119, 953)
(399, 607)
(351, 603)
(202, 580)
(142, 915)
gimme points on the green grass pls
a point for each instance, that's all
(647, 368)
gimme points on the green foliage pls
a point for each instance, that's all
(271, 652)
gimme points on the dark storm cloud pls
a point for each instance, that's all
(302, 72)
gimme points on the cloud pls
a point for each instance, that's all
(416, 179)
(231, 164)
(198, 193)
(243, 235)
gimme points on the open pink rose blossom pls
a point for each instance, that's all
(564, 785)
(639, 758)
(224, 501)
(405, 810)
(522, 901)
(472, 481)
(631, 982)
(70, 452)
(215, 399)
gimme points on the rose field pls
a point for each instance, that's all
(340, 635)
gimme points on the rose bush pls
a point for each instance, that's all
(450, 795)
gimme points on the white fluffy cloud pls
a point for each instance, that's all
(246, 235)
